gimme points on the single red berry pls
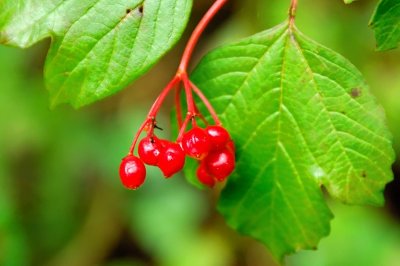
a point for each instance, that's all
(149, 150)
(132, 172)
(220, 163)
(196, 143)
(204, 177)
(218, 136)
(172, 159)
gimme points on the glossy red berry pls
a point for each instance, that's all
(218, 136)
(172, 159)
(132, 172)
(220, 163)
(196, 143)
(149, 150)
(204, 177)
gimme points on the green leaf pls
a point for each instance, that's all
(348, 1)
(98, 46)
(386, 24)
(302, 118)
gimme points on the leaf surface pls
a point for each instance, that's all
(386, 24)
(302, 117)
(98, 46)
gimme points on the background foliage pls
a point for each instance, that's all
(61, 202)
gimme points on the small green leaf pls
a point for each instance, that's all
(386, 24)
(98, 46)
(302, 118)
(348, 1)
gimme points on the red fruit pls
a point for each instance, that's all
(218, 136)
(149, 150)
(172, 159)
(164, 143)
(220, 163)
(196, 143)
(132, 172)
(204, 177)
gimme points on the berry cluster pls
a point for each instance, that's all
(214, 149)
(166, 155)
(212, 146)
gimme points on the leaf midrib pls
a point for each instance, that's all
(279, 143)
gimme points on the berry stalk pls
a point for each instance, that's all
(292, 11)
(206, 103)
(194, 38)
(151, 116)
(211, 146)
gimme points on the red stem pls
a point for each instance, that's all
(194, 38)
(181, 75)
(178, 106)
(292, 11)
(200, 115)
(153, 111)
(183, 127)
(160, 99)
(142, 126)
(189, 95)
(206, 103)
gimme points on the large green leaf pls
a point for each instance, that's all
(386, 24)
(98, 46)
(302, 118)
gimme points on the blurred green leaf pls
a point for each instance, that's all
(386, 24)
(98, 47)
(359, 236)
(54, 160)
(302, 117)
(165, 215)
(13, 243)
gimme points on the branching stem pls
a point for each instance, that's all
(292, 11)
(181, 78)
(194, 38)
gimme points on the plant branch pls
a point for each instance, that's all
(292, 11)
(181, 76)
(194, 38)
(206, 103)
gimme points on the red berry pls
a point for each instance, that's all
(164, 143)
(204, 177)
(220, 163)
(218, 136)
(196, 143)
(172, 159)
(149, 150)
(132, 172)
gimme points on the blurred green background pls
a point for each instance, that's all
(61, 202)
